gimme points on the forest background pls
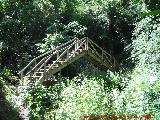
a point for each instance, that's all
(127, 29)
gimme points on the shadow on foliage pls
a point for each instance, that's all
(7, 112)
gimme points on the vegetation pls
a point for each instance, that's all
(127, 29)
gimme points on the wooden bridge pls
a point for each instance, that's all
(44, 66)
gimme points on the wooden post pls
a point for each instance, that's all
(35, 63)
(76, 45)
(102, 55)
(86, 44)
(22, 76)
(44, 70)
(67, 54)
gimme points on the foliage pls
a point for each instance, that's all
(8, 107)
(146, 45)
(22, 26)
(146, 56)
(58, 37)
(88, 97)
(85, 99)
(9, 77)
(41, 100)
(122, 27)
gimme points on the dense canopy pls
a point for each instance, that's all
(127, 29)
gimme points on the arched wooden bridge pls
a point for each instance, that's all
(44, 66)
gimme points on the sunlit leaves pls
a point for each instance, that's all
(146, 51)
(86, 99)
(58, 37)
(41, 99)
(76, 28)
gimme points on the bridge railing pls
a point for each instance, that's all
(64, 55)
(102, 54)
(62, 52)
(40, 61)
(34, 63)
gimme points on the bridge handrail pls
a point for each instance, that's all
(64, 53)
(104, 53)
(66, 48)
(33, 60)
(99, 47)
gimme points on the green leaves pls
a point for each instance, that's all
(58, 36)
(76, 28)
(87, 99)
(41, 99)
(51, 42)
(30, 27)
(146, 55)
(154, 12)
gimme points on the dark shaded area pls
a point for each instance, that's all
(7, 112)
(20, 31)
(70, 71)
(153, 4)
(113, 36)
